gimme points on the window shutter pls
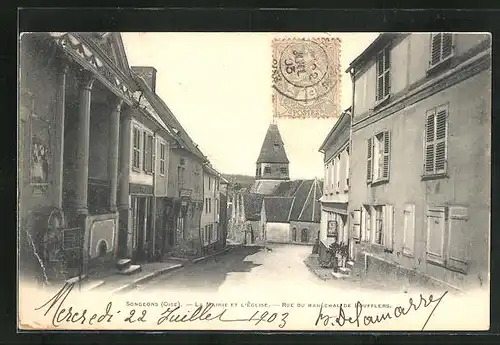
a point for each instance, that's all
(435, 233)
(153, 153)
(145, 152)
(380, 87)
(167, 159)
(148, 152)
(346, 170)
(435, 48)
(387, 66)
(409, 229)
(387, 155)
(389, 227)
(367, 223)
(327, 177)
(458, 238)
(369, 160)
(441, 134)
(441, 47)
(380, 76)
(387, 83)
(446, 45)
(429, 142)
(330, 186)
(356, 224)
(387, 59)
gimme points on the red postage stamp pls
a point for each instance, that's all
(306, 77)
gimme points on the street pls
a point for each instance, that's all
(248, 267)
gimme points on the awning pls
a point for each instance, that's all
(340, 208)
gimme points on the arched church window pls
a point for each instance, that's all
(304, 236)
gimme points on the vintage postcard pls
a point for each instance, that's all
(254, 181)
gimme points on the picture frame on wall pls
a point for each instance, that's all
(332, 228)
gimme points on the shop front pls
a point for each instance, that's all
(141, 207)
(334, 242)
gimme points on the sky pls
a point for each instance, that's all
(218, 85)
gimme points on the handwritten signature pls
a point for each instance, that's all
(367, 320)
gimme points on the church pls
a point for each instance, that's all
(275, 209)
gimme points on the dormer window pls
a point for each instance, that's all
(267, 170)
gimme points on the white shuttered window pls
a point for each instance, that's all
(441, 47)
(383, 74)
(378, 157)
(448, 237)
(436, 134)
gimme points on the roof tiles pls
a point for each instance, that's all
(273, 149)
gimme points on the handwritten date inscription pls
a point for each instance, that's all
(62, 313)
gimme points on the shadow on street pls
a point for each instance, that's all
(208, 274)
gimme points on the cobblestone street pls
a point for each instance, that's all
(248, 267)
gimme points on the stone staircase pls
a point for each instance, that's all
(125, 267)
(344, 272)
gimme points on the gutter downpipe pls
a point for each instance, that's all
(351, 255)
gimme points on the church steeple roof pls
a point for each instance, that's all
(273, 149)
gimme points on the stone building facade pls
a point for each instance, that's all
(334, 221)
(106, 171)
(419, 201)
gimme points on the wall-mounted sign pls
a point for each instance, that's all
(71, 239)
(185, 193)
(332, 228)
(135, 188)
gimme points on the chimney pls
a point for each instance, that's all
(148, 73)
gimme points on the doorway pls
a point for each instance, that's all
(165, 226)
(141, 226)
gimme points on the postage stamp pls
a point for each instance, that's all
(306, 77)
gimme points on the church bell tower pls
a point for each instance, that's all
(272, 163)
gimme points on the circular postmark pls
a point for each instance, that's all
(304, 67)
